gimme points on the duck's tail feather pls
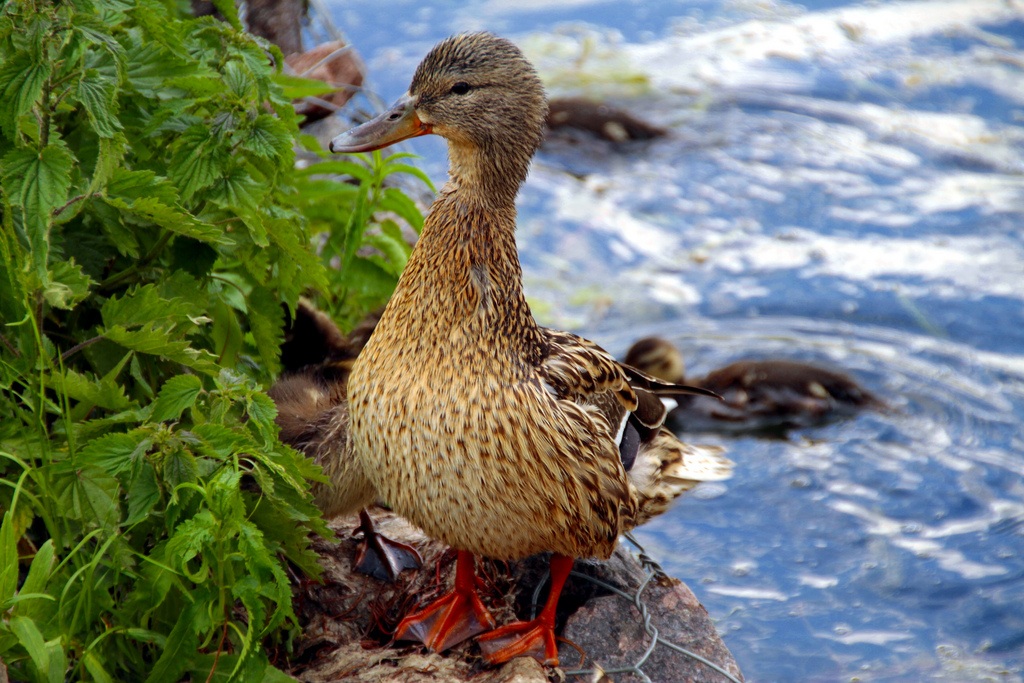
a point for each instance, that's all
(665, 467)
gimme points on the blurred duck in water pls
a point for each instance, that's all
(312, 411)
(768, 396)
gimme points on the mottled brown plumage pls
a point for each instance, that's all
(491, 433)
(771, 395)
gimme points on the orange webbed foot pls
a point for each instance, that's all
(452, 618)
(533, 638)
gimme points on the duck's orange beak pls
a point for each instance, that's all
(398, 123)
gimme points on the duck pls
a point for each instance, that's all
(770, 396)
(497, 436)
(312, 415)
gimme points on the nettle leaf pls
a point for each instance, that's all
(88, 493)
(90, 390)
(108, 162)
(198, 161)
(239, 79)
(179, 467)
(177, 394)
(269, 138)
(159, 341)
(150, 66)
(144, 305)
(37, 181)
(98, 94)
(21, 85)
(143, 493)
(262, 411)
(129, 185)
(176, 220)
(220, 441)
(117, 453)
(67, 285)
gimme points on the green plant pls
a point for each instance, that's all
(153, 223)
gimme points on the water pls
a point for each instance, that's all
(842, 184)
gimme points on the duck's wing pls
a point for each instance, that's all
(579, 370)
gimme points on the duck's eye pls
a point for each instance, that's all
(460, 88)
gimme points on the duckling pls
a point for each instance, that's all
(495, 435)
(770, 396)
(312, 413)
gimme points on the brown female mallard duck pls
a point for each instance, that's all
(770, 396)
(312, 413)
(495, 435)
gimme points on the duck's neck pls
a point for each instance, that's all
(464, 277)
(488, 176)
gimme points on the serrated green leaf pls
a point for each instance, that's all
(118, 452)
(130, 185)
(111, 153)
(21, 84)
(179, 467)
(158, 341)
(89, 494)
(89, 390)
(143, 494)
(67, 285)
(220, 442)
(177, 394)
(141, 305)
(269, 138)
(198, 161)
(176, 220)
(98, 94)
(262, 412)
(37, 181)
(150, 66)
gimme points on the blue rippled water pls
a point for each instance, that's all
(842, 184)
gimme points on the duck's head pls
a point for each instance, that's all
(657, 357)
(480, 93)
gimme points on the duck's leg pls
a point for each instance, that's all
(381, 557)
(535, 638)
(452, 618)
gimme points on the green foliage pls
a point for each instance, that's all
(152, 223)
(363, 249)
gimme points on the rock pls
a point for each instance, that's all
(348, 618)
(337, 65)
(610, 629)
